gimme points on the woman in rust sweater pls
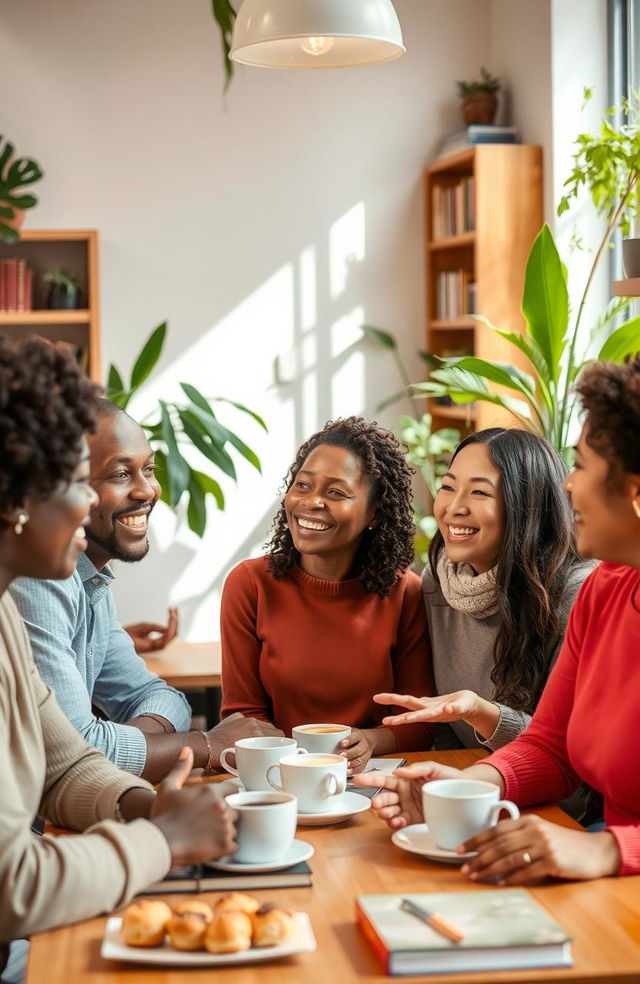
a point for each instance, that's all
(316, 627)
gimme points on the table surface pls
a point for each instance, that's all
(187, 664)
(357, 857)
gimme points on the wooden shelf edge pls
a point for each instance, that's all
(627, 288)
(452, 242)
(452, 324)
(74, 317)
(55, 235)
(452, 161)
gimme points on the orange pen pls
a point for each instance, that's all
(433, 919)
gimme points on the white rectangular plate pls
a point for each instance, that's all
(114, 949)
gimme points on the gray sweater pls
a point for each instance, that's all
(462, 649)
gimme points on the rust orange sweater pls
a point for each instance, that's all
(302, 649)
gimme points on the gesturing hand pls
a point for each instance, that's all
(149, 637)
(528, 850)
(195, 820)
(401, 802)
(448, 707)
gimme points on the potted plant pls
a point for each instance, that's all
(182, 432)
(14, 175)
(479, 98)
(60, 290)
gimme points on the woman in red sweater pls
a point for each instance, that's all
(332, 615)
(587, 724)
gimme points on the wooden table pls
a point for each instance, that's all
(192, 666)
(357, 857)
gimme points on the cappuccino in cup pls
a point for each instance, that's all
(315, 780)
(457, 809)
(320, 737)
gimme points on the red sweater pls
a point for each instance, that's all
(302, 649)
(587, 724)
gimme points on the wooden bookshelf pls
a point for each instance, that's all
(45, 250)
(503, 191)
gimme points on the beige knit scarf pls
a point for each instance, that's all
(465, 591)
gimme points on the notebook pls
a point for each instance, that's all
(380, 765)
(201, 878)
(503, 929)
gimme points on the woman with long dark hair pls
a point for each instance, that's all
(503, 574)
(332, 612)
(587, 724)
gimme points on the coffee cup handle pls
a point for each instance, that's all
(272, 782)
(507, 805)
(225, 764)
(334, 785)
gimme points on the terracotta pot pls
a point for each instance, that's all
(631, 257)
(479, 107)
(17, 220)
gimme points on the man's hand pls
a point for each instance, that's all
(462, 705)
(528, 850)
(196, 820)
(149, 637)
(237, 726)
(400, 804)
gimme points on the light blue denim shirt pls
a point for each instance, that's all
(86, 657)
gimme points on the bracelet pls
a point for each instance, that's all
(209, 767)
(164, 724)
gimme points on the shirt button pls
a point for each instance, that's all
(95, 580)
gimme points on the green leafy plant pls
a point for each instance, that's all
(543, 398)
(14, 175)
(388, 341)
(180, 432)
(63, 283)
(225, 15)
(486, 83)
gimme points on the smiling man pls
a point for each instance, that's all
(78, 644)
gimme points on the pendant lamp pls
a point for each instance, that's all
(316, 33)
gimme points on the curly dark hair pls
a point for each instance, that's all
(46, 405)
(610, 396)
(384, 551)
(537, 555)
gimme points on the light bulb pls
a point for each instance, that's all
(317, 46)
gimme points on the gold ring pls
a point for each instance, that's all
(526, 857)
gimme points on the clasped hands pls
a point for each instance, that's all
(514, 852)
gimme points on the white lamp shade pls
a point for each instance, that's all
(316, 33)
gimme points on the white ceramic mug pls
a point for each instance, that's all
(457, 809)
(266, 825)
(320, 737)
(255, 755)
(315, 780)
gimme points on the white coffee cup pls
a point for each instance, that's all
(457, 809)
(315, 780)
(320, 737)
(255, 755)
(266, 825)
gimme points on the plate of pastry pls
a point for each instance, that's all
(234, 929)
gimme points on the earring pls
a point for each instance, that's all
(23, 519)
(636, 507)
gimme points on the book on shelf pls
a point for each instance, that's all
(202, 878)
(454, 208)
(456, 294)
(16, 286)
(502, 929)
(474, 134)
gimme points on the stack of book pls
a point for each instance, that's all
(477, 133)
(201, 878)
(16, 286)
(454, 208)
(456, 294)
(494, 930)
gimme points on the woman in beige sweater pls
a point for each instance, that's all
(45, 766)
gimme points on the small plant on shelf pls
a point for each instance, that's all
(180, 432)
(60, 290)
(479, 98)
(15, 175)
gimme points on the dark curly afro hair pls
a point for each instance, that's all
(385, 550)
(46, 405)
(610, 396)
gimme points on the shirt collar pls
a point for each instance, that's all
(88, 571)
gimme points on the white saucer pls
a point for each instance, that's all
(298, 851)
(418, 840)
(344, 806)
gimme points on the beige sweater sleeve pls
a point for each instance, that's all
(50, 881)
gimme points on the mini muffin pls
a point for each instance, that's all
(228, 932)
(144, 923)
(272, 926)
(188, 925)
(238, 901)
